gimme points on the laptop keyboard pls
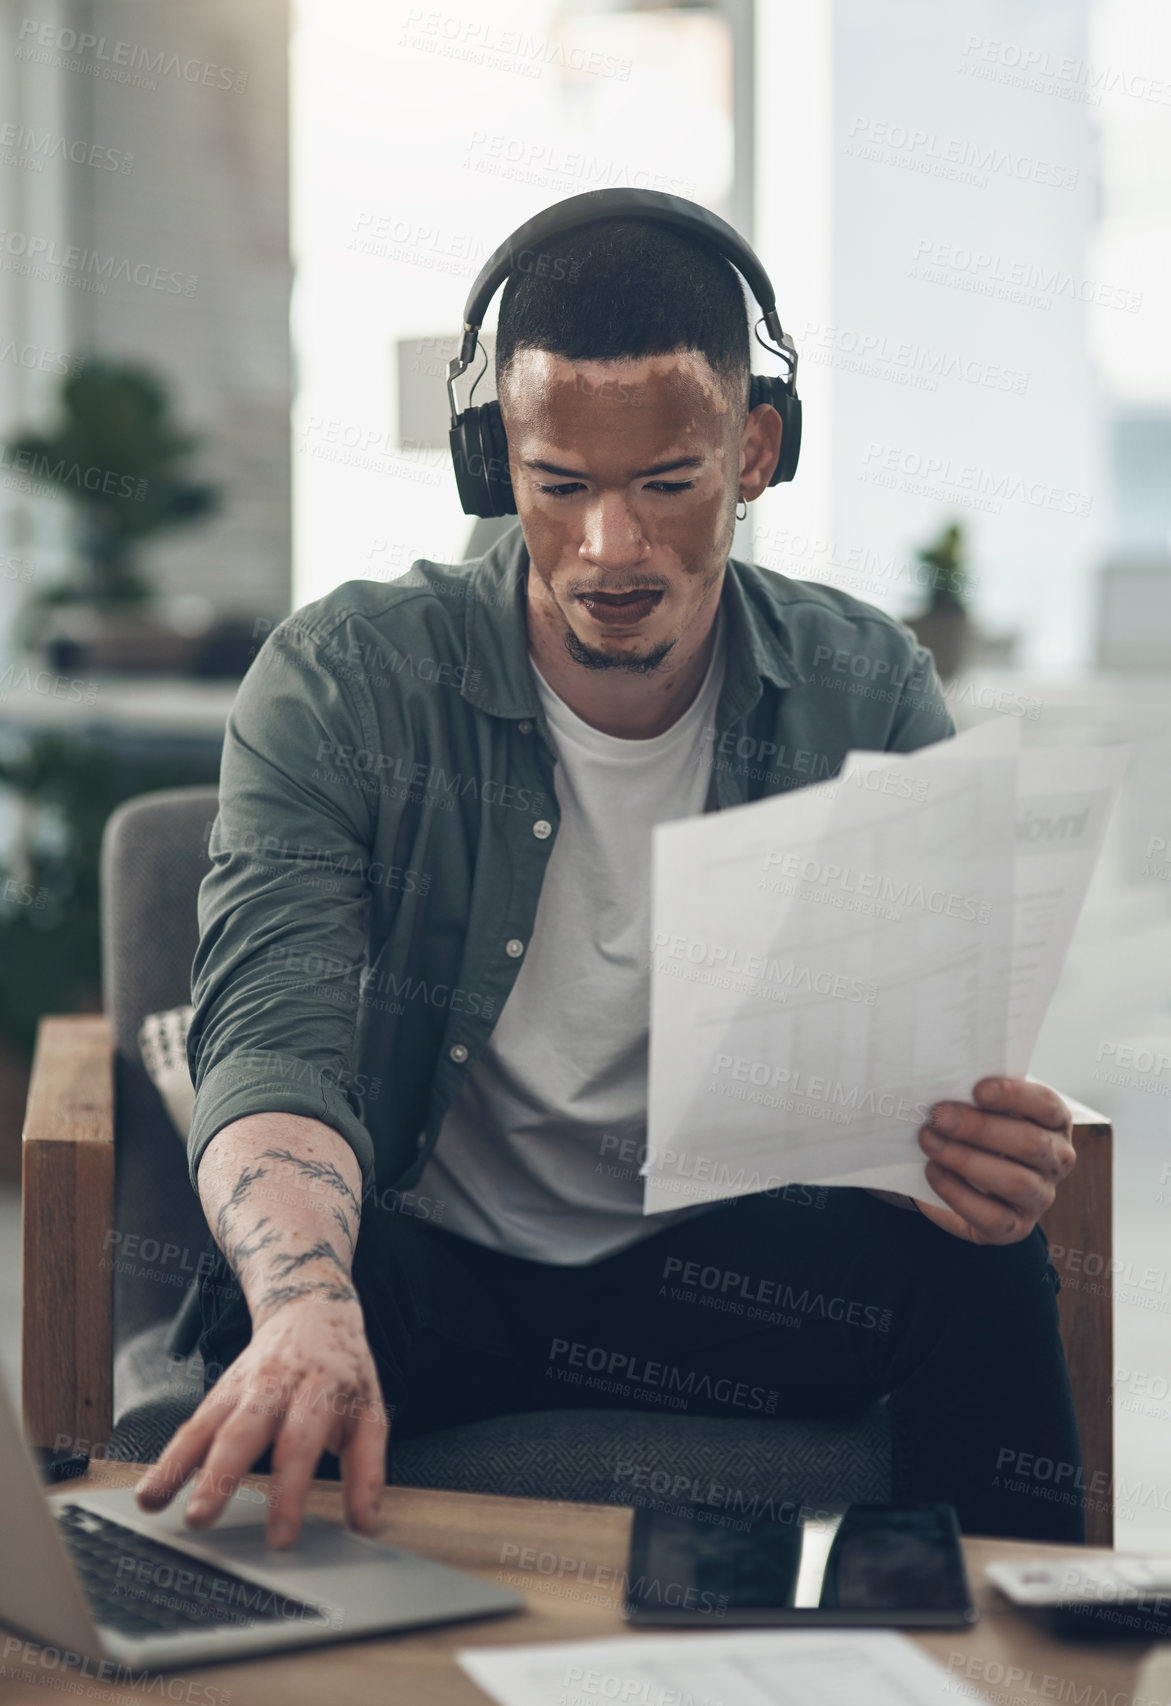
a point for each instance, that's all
(141, 1586)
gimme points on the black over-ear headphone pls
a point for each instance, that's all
(479, 448)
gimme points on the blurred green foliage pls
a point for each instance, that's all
(118, 456)
(946, 557)
(50, 942)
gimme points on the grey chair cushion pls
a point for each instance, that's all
(615, 1457)
(154, 856)
(145, 1371)
(623, 1457)
(141, 1434)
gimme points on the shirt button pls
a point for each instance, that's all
(458, 1052)
(421, 1140)
(542, 828)
(516, 947)
(526, 728)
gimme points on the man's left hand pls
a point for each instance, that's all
(1016, 1145)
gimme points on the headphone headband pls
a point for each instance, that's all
(686, 217)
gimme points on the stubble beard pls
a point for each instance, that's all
(590, 657)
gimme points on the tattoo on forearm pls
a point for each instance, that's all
(275, 1296)
(329, 1176)
(241, 1251)
(323, 1170)
(323, 1250)
(340, 1201)
(243, 1185)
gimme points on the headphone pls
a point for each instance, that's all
(479, 447)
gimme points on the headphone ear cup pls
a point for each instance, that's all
(790, 440)
(479, 456)
(765, 388)
(467, 462)
(494, 440)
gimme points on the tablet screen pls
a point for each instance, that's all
(858, 1564)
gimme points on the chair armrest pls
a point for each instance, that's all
(67, 1210)
(1079, 1228)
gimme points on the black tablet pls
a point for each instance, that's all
(897, 1566)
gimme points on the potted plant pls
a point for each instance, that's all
(944, 626)
(120, 459)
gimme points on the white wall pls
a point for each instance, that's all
(418, 147)
(190, 235)
(963, 212)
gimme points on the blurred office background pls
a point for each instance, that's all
(235, 245)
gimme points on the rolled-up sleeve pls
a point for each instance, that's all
(283, 913)
(921, 715)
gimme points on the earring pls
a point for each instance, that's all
(743, 501)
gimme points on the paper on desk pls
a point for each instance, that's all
(793, 1667)
(829, 963)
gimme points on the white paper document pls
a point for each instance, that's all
(827, 964)
(793, 1667)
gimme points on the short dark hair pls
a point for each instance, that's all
(625, 288)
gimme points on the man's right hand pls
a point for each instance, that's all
(306, 1381)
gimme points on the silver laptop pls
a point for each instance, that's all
(90, 1572)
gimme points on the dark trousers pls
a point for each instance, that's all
(810, 1302)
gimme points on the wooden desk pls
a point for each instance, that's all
(571, 1579)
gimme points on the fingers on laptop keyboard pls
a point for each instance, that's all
(363, 1463)
(238, 1439)
(187, 1449)
(295, 1457)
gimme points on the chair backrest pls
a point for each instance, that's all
(153, 858)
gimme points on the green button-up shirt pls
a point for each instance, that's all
(387, 808)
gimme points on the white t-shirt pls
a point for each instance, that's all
(539, 1152)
